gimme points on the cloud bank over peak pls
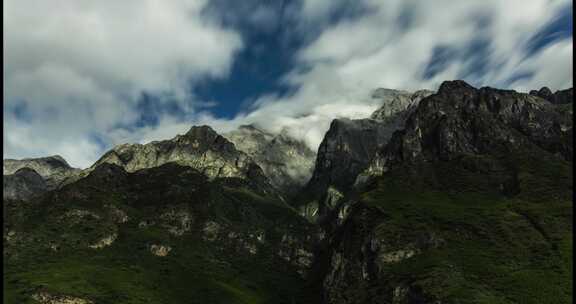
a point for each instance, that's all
(76, 72)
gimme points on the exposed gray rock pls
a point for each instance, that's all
(23, 184)
(200, 148)
(394, 101)
(49, 298)
(286, 161)
(177, 220)
(53, 169)
(294, 251)
(359, 260)
(349, 146)
(160, 250)
(461, 119)
(345, 152)
(559, 97)
(104, 242)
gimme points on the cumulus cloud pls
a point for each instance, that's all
(79, 67)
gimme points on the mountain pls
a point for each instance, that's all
(200, 148)
(54, 169)
(463, 195)
(23, 184)
(559, 97)
(166, 234)
(471, 201)
(395, 101)
(461, 119)
(286, 161)
(348, 147)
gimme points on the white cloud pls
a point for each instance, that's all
(351, 58)
(552, 67)
(79, 66)
(85, 62)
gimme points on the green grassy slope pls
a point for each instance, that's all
(488, 247)
(195, 270)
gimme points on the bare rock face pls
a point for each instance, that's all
(160, 250)
(53, 169)
(345, 152)
(48, 298)
(394, 101)
(559, 97)
(200, 148)
(23, 184)
(461, 119)
(286, 161)
(349, 146)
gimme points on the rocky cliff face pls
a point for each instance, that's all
(23, 184)
(200, 148)
(286, 161)
(473, 172)
(394, 101)
(559, 97)
(345, 151)
(53, 169)
(349, 146)
(460, 119)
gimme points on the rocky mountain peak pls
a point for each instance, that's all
(45, 166)
(285, 160)
(396, 102)
(545, 92)
(204, 132)
(349, 145)
(463, 120)
(204, 138)
(450, 86)
(200, 148)
(52, 169)
(559, 97)
(23, 184)
(344, 152)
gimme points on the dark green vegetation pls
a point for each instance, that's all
(471, 241)
(171, 206)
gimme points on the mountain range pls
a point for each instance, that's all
(463, 195)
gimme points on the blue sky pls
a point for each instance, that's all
(83, 77)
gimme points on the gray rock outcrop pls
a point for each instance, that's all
(23, 184)
(461, 119)
(349, 146)
(200, 148)
(286, 161)
(53, 169)
(559, 97)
